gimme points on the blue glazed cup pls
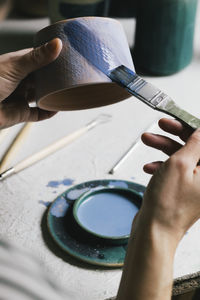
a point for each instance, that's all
(77, 78)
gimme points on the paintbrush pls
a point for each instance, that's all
(151, 95)
(106, 60)
(103, 118)
(15, 146)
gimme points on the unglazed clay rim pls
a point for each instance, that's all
(48, 107)
(78, 18)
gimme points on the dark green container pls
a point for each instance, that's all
(122, 9)
(66, 9)
(164, 35)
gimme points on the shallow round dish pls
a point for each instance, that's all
(107, 213)
(60, 223)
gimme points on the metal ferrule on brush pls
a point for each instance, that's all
(137, 86)
(151, 95)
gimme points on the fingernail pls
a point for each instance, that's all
(51, 46)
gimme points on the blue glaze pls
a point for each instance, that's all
(59, 208)
(83, 40)
(107, 214)
(67, 181)
(120, 184)
(122, 75)
(74, 194)
(45, 203)
(56, 183)
(53, 184)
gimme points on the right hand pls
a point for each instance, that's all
(172, 198)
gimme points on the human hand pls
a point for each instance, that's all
(16, 90)
(172, 198)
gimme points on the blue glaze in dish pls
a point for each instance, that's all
(108, 214)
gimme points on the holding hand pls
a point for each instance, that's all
(170, 207)
(172, 198)
(15, 92)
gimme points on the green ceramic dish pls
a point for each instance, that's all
(64, 232)
(107, 213)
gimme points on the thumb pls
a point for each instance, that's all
(36, 58)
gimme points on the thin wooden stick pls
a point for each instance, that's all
(15, 147)
(54, 146)
(130, 149)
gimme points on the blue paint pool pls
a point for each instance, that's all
(108, 214)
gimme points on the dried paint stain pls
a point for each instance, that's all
(59, 208)
(56, 183)
(113, 184)
(45, 203)
(75, 194)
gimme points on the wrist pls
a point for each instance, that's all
(156, 233)
(149, 263)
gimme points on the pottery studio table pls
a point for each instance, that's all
(89, 157)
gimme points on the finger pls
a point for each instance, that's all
(160, 142)
(33, 59)
(151, 168)
(37, 114)
(189, 154)
(176, 128)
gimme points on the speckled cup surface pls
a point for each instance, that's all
(76, 79)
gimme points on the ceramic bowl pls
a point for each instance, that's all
(76, 79)
(107, 213)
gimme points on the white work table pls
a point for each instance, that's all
(88, 158)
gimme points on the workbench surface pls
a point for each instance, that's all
(88, 158)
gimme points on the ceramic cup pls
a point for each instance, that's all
(107, 213)
(76, 79)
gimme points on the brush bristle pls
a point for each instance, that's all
(122, 75)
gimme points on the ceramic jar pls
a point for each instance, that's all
(32, 8)
(122, 9)
(65, 9)
(77, 79)
(164, 35)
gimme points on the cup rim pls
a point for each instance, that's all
(77, 18)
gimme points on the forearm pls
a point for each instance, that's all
(148, 269)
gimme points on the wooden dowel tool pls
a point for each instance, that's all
(54, 146)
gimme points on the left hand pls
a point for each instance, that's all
(16, 90)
